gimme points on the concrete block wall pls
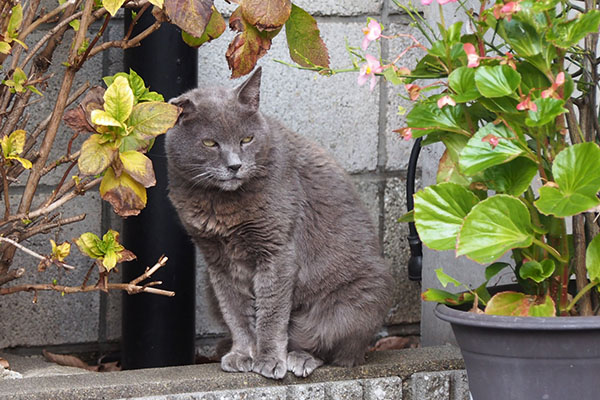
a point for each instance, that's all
(352, 122)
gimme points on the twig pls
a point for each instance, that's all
(45, 18)
(160, 263)
(11, 275)
(33, 253)
(55, 224)
(125, 44)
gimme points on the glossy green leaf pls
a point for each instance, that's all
(444, 297)
(537, 271)
(445, 279)
(428, 117)
(461, 82)
(118, 99)
(88, 245)
(576, 182)
(479, 154)
(520, 305)
(304, 39)
(513, 177)
(496, 81)
(408, 217)
(522, 37)
(494, 269)
(448, 171)
(568, 33)
(547, 111)
(493, 227)
(592, 259)
(439, 213)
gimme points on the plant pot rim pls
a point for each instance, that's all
(452, 315)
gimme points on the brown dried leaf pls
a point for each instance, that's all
(4, 364)
(191, 16)
(126, 195)
(248, 45)
(126, 255)
(266, 15)
(79, 118)
(68, 361)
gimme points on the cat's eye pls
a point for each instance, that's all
(247, 139)
(209, 143)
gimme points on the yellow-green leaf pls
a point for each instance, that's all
(118, 99)
(153, 118)
(126, 195)
(95, 157)
(139, 167)
(60, 252)
(99, 117)
(5, 48)
(112, 6)
(110, 259)
(14, 23)
(88, 245)
(15, 143)
(24, 162)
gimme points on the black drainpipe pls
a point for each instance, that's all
(160, 331)
(415, 263)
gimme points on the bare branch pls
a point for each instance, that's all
(33, 253)
(11, 275)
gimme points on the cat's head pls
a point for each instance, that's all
(220, 139)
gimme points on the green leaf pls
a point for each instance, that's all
(112, 6)
(547, 111)
(445, 279)
(13, 144)
(493, 227)
(537, 271)
(439, 213)
(513, 177)
(88, 245)
(522, 37)
(110, 259)
(304, 40)
(575, 171)
(520, 305)
(139, 167)
(479, 154)
(216, 26)
(14, 23)
(497, 81)
(448, 171)
(428, 117)
(568, 33)
(494, 269)
(392, 77)
(592, 259)
(118, 99)
(461, 82)
(408, 217)
(444, 297)
(5, 48)
(95, 156)
(151, 119)
(126, 195)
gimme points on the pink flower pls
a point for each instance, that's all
(406, 133)
(445, 101)
(372, 32)
(442, 2)
(526, 104)
(413, 91)
(492, 140)
(552, 90)
(426, 2)
(472, 56)
(509, 9)
(369, 69)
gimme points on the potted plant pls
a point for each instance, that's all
(511, 92)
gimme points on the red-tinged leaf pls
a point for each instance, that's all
(266, 15)
(248, 45)
(444, 297)
(216, 26)
(79, 118)
(191, 16)
(304, 40)
(126, 255)
(520, 304)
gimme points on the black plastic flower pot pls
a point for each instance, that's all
(527, 358)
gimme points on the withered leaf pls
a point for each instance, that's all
(126, 255)
(216, 26)
(126, 195)
(79, 118)
(248, 45)
(266, 15)
(191, 16)
(4, 363)
(68, 361)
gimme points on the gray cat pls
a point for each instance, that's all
(292, 255)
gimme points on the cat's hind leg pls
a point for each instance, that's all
(302, 364)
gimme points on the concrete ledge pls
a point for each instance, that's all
(387, 374)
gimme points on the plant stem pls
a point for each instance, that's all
(550, 250)
(580, 294)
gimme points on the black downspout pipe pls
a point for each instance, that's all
(415, 263)
(160, 331)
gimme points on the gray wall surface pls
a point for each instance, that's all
(353, 123)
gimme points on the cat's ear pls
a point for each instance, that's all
(186, 106)
(248, 93)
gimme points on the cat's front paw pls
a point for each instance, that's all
(270, 367)
(236, 362)
(302, 364)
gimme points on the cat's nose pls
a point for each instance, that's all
(234, 167)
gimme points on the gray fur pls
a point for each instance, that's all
(292, 254)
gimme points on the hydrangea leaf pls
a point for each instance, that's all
(95, 156)
(191, 16)
(216, 26)
(118, 99)
(125, 194)
(139, 167)
(153, 118)
(493, 227)
(112, 6)
(576, 182)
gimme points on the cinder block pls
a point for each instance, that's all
(459, 385)
(382, 388)
(344, 390)
(341, 8)
(315, 391)
(406, 307)
(431, 385)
